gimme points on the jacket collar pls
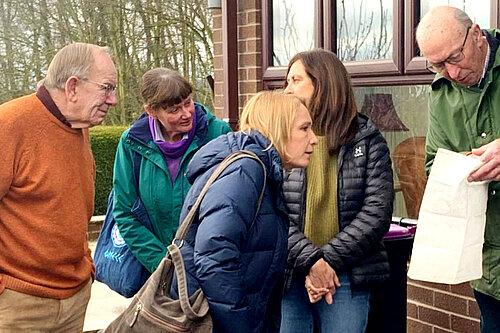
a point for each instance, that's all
(140, 128)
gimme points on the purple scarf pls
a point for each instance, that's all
(172, 152)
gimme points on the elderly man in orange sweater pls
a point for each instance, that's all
(47, 174)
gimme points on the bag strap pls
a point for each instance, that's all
(186, 223)
(136, 165)
(173, 249)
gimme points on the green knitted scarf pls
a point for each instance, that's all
(321, 222)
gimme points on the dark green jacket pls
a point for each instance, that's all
(162, 198)
(460, 119)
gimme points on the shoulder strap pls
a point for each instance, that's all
(186, 223)
(136, 165)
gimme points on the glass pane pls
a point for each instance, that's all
(364, 29)
(478, 10)
(400, 113)
(293, 29)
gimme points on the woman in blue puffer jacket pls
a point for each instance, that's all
(234, 250)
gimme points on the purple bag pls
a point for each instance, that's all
(397, 231)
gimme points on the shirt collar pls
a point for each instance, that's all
(44, 96)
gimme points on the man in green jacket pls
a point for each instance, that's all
(464, 116)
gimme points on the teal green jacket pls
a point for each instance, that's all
(460, 119)
(162, 197)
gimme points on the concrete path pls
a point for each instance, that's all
(104, 306)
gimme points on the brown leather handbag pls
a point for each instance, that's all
(152, 309)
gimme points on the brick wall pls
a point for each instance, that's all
(249, 54)
(436, 308)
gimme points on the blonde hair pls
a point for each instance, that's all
(74, 59)
(272, 113)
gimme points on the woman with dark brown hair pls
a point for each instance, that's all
(340, 207)
(173, 128)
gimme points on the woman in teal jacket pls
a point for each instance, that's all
(166, 138)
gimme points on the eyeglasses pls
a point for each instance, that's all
(454, 59)
(107, 87)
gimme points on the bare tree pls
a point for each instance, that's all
(142, 34)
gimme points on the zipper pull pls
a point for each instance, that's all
(136, 314)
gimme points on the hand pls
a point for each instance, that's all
(315, 294)
(324, 279)
(490, 155)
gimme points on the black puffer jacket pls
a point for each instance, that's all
(364, 194)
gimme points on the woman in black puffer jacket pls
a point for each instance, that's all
(335, 245)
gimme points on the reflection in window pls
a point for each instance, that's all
(399, 114)
(293, 29)
(478, 10)
(364, 29)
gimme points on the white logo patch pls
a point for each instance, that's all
(358, 152)
(117, 239)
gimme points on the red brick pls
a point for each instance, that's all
(242, 18)
(220, 113)
(473, 309)
(440, 330)
(242, 46)
(217, 22)
(254, 45)
(218, 62)
(242, 74)
(218, 75)
(411, 310)
(217, 49)
(248, 87)
(247, 5)
(248, 31)
(460, 324)
(217, 36)
(254, 73)
(450, 303)
(440, 286)
(421, 295)
(249, 60)
(434, 316)
(219, 101)
(463, 289)
(219, 88)
(413, 326)
(254, 16)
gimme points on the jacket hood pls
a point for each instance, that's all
(140, 128)
(365, 128)
(216, 150)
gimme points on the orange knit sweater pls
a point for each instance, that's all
(47, 174)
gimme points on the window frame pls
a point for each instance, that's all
(405, 66)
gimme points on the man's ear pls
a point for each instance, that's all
(150, 111)
(70, 88)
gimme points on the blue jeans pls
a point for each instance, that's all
(347, 314)
(490, 312)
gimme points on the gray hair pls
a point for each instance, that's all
(74, 59)
(462, 17)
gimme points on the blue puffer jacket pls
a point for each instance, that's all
(237, 261)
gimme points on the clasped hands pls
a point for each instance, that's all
(321, 282)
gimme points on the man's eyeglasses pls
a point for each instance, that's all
(454, 59)
(107, 87)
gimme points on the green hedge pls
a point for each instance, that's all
(104, 140)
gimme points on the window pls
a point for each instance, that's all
(293, 29)
(364, 29)
(400, 113)
(374, 38)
